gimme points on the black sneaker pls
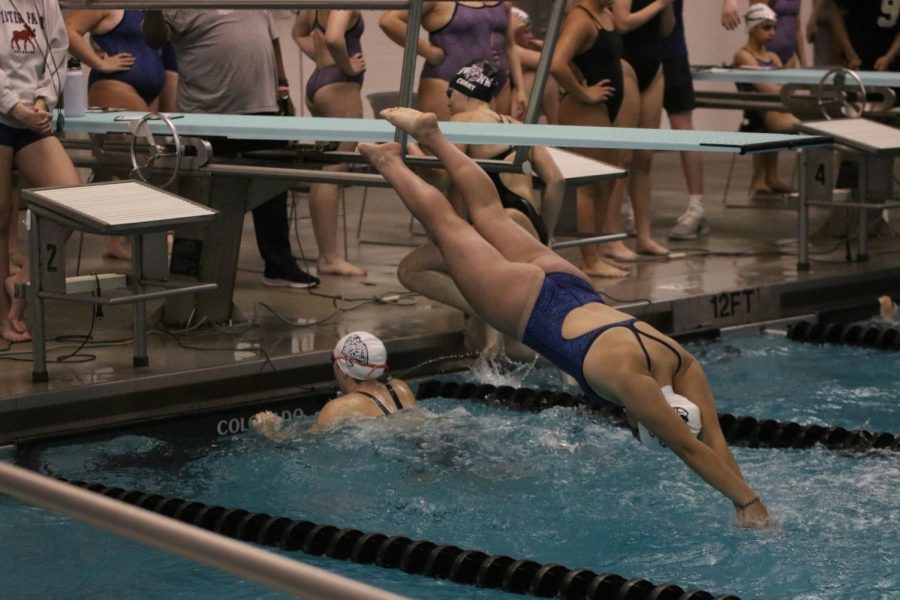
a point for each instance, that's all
(294, 278)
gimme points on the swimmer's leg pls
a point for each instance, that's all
(500, 292)
(475, 187)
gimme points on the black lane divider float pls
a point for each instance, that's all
(416, 557)
(848, 334)
(739, 431)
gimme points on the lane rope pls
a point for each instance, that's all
(738, 430)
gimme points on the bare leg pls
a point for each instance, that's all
(15, 254)
(12, 329)
(476, 189)
(640, 183)
(340, 100)
(500, 292)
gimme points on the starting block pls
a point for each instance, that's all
(114, 208)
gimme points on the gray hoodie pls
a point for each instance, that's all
(33, 44)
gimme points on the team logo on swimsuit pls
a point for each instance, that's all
(355, 349)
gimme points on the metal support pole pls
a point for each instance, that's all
(38, 335)
(408, 74)
(140, 358)
(543, 71)
(862, 248)
(803, 214)
(240, 559)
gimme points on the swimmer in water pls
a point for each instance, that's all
(528, 292)
(359, 362)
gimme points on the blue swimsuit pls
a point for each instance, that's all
(560, 294)
(147, 75)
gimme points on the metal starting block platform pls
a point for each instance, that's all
(114, 208)
(873, 145)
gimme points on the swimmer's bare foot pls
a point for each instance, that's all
(760, 187)
(418, 124)
(619, 251)
(651, 247)
(14, 328)
(381, 156)
(339, 266)
(778, 187)
(602, 268)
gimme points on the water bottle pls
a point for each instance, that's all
(75, 92)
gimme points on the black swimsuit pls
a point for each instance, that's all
(602, 61)
(397, 404)
(643, 47)
(510, 199)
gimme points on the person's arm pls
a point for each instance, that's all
(883, 63)
(301, 33)
(81, 22)
(554, 186)
(576, 32)
(53, 75)
(626, 20)
(335, 30)
(394, 23)
(667, 21)
(812, 23)
(271, 426)
(839, 28)
(801, 47)
(731, 18)
(528, 58)
(643, 400)
(519, 101)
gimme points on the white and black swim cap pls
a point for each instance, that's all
(759, 13)
(478, 80)
(361, 355)
(687, 410)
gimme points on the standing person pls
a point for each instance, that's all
(679, 102)
(529, 292)
(458, 33)
(359, 362)
(821, 36)
(229, 62)
(126, 72)
(868, 34)
(33, 45)
(789, 42)
(760, 21)
(588, 65)
(643, 24)
(333, 90)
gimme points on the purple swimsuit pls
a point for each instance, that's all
(784, 44)
(473, 33)
(332, 73)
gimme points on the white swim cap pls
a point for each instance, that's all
(361, 355)
(523, 16)
(759, 13)
(686, 409)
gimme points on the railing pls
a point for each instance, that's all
(245, 561)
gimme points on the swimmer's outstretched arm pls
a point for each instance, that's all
(644, 401)
(270, 425)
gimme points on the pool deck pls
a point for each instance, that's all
(743, 272)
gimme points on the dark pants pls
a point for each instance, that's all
(270, 220)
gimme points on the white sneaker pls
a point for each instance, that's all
(689, 226)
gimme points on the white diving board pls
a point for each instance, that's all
(786, 76)
(861, 134)
(579, 170)
(257, 127)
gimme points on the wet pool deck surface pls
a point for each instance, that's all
(743, 272)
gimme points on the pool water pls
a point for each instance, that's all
(555, 487)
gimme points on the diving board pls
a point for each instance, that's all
(257, 127)
(786, 76)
